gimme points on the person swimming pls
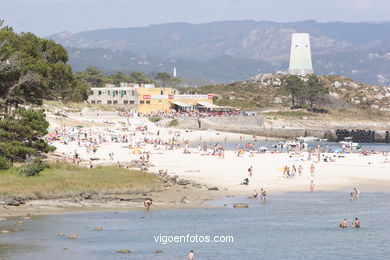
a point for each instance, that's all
(356, 224)
(344, 223)
(255, 194)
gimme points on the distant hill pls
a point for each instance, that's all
(234, 50)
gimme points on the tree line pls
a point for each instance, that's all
(95, 78)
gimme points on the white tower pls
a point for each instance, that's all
(174, 72)
(300, 56)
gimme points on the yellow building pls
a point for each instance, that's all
(153, 100)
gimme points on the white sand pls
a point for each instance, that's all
(366, 172)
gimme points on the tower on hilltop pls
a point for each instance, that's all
(300, 56)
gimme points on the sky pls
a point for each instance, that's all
(46, 17)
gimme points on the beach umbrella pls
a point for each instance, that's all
(337, 150)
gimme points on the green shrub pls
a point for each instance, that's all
(33, 168)
(174, 122)
(4, 164)
(154, 119)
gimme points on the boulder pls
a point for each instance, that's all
(86, 196)
(213, 188)
(60, 234)
(72, 236)
(159, 251)
(98, 228)
(240, 205)
(4, 231)
(183, 182)
(184, 199)
(123, 251)
(14, 202)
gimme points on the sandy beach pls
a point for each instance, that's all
(367, 172)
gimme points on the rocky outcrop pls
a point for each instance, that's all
(240, 205)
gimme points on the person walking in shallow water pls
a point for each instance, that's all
(312, 186)
(191, 255)
(147, 204)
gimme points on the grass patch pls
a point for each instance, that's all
(154, 119)
(174, 122)
(64, 180)
(291, 114)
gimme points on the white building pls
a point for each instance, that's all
(124, 94)
(300, 56)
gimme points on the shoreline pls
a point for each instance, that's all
(169, 199)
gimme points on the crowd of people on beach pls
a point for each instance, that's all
(182, 113)
(138, 139)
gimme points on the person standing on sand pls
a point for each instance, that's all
(312, 186)
(300, 169)
(250, 171)
(312, 170)
(191, 255)
(204, 147)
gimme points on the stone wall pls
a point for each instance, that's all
(255, 125)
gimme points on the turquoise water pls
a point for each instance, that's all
(287, 226)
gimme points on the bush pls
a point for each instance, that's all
(4, 164)
(33, 168)
(154, 119)
(174, 122)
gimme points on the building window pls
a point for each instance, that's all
(115, 102)
(147, 102)
(142, 102)
(162, 92)
(99, 92)
(125, 102)
(99, 102)
(132, 93)
(108, 92)
(109, 102)
(92, 101)
(131, 101)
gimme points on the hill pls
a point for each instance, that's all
(266, 92)
(234, 50)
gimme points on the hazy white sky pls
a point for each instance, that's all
(45, 17)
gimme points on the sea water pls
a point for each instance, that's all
(326, 146)
(286, 226)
